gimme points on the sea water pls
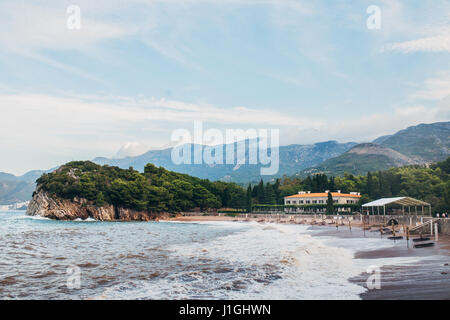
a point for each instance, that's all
(172, 260)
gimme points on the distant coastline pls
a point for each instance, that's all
(15, 206)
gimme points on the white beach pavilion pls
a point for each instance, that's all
(397, 206)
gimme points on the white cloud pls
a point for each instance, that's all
(438, 43)
(32, 30)
(44, 131)
(368, 127)
(295, 81)
(416, 28)
(435, 88)
(56, 128)
(32, 27)
(92, 110)
(50, 130)
(166, 26)
(132, 149)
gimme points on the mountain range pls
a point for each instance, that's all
(421, 144)
(360, 159)
(15, 189)
(293, 158)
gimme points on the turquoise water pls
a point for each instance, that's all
(151, 260)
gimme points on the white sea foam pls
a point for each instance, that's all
(85, 220)
(32, 217)
(202, 260)
(298, 266)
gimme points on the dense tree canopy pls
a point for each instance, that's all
(158, 189)
(155, 190)
(430, 184)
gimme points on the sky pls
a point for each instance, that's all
(137, 70)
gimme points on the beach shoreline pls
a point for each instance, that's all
(428, 278)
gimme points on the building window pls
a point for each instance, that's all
(288, 202)
(308, 201)
(301, 201)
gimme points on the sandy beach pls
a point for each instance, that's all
(427, 279)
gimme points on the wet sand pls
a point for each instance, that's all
(427, 279)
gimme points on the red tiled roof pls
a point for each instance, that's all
(324, 195)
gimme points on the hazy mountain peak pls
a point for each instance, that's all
(423, 142)
(376, 149)
(132, 149)
(7, 176)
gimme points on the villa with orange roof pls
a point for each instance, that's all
(306, 198)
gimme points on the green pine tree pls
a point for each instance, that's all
(226, 199)
(249, 199)
(100, 201)
(269, 194)
(260, 194)
(276, 189)
(330, 205)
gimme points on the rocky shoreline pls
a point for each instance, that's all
(42, 204)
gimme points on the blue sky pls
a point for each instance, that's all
(137, 70)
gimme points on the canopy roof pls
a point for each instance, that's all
(324, 195)
(403, 201)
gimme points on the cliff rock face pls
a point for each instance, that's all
(62, 209)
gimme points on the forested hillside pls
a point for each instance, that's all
(158, 189)
(155, 190)
(430, 184)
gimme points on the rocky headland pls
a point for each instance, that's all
(52, 207)
(83, 190)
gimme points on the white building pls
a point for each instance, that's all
(321, 198)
